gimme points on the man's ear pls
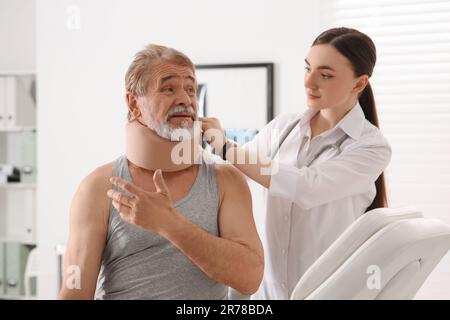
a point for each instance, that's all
(361, 83)
(132, 103)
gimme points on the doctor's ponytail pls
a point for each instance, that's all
(360, 50)
(367, 102)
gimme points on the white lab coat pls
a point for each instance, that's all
(311, 201)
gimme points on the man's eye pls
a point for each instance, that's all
(167, 89)
(308, 69)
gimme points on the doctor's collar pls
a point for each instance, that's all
(353, 122)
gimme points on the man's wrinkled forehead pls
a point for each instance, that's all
(164, 71)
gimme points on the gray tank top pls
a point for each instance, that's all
(138, 264)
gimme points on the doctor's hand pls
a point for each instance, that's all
(151, 211)
(213, 132)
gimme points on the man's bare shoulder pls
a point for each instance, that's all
(98, 180)
(228, 179)
(228, 171)
(91, 193)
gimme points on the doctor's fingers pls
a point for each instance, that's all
(209, 123)
(208, 119)
(212, 130)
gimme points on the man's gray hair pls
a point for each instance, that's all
(138, 74)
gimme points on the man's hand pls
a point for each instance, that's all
(151, 211)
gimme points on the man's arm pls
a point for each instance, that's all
(236, 257)
(87, 236)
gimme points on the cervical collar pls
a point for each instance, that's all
(145, 149)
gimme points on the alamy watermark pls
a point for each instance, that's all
(374, 280)
(73, 21)
(73, 277)
(183, 153)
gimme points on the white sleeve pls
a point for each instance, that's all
(268, 137)
(352, 172)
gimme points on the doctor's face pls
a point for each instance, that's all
(330, 81)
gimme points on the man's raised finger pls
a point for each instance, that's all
(125, 185)
(119, 197)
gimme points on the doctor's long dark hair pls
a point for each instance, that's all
(360, 50)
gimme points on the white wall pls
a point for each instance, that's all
(81, 72)
(17, 37)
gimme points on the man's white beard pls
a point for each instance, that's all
(165, 130)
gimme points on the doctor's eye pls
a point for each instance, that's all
(326, 76)
(308, 69)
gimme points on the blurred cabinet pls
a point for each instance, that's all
(17, 101)
(13, 263)
(18, 213)
(17, 179)
(16, 256)
(2, 269)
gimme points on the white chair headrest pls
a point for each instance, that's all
(351, 240)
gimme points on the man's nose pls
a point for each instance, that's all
(184, 98)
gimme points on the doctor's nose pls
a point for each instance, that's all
(310, 82)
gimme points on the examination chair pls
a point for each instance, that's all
(386, 253)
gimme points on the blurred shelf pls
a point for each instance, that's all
(18, 185)
(17, 129)
(6, 73)
(18, 240)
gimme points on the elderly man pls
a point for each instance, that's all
(146, 227)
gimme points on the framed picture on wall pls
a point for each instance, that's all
(201, 99)
(241, 96)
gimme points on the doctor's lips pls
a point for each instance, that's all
(311, 96)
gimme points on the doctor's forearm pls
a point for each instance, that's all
(223, 260)
(251, 164)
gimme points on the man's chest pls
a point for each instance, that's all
(178, 183)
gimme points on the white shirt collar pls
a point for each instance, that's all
(352, 123)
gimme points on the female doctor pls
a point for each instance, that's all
(322, 169)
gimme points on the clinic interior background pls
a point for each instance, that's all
(80, 84)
